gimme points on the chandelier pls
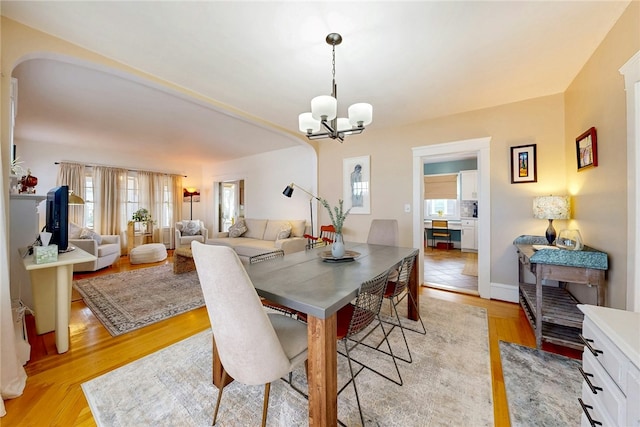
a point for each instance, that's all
(324, 110)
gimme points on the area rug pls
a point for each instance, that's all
(133, 299)
(448, 383)
(542, 388)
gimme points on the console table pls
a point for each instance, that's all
(552, 311)
(51, 285)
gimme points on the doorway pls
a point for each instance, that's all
(480, 147)
(231, 203)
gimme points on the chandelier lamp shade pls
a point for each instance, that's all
(288, 191)
(323, 121)
(550, 208)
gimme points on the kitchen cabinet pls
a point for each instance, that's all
(610, 367)
(469, 236)
(469, 185)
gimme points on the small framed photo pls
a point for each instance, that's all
(587, 149)
(523, 164)
(356, 184)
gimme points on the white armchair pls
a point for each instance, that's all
(189, 230)
(105, 247)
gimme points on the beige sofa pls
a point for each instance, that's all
(264, 235)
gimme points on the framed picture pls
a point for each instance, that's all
(356, 184)
(523, 164)
(587, 149)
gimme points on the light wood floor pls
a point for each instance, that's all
(443, 270)
(53, 396)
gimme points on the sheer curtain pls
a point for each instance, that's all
(161, 194)
(12, 375)
(110, 189)
(73, 175)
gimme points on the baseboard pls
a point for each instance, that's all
(504, 292)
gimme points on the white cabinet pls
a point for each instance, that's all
(469, 185)
(469, 235)
(610, 367)
(23, 223)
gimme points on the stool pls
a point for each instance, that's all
(183, 261)
(151, 252)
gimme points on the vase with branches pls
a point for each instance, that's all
(337, 214)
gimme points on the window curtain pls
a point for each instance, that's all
(441, 186)
(110, 187)
(73, 175)
(12, 375)
(161, 195)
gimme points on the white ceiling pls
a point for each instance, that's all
(265, 60)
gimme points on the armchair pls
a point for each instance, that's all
(189, 230)
(105, 247)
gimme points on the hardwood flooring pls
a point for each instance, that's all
(53, 396)
(443, 270)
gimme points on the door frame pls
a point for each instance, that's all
(481, 148)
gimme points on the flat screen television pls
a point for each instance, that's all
(58, 216)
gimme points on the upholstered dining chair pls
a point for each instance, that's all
(383, 232)
(354, 318)
(254, 347)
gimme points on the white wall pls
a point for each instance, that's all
(265, 177)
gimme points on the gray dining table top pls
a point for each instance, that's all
(304, 281)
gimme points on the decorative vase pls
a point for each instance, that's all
(337, 247)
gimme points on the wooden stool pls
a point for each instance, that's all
(183, 261)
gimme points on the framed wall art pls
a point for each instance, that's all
(356, 184)
(523, 164)
(587, 149)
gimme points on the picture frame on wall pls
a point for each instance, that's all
(587, 149)
(524, 166)
(356, 184)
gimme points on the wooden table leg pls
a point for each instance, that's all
(323, 371)
(414, 289)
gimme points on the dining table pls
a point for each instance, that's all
(315, 283)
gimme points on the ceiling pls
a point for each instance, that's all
(256, 66)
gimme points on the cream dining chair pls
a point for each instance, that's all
(254, 347)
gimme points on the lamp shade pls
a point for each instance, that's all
(360, 114)
(551, 207)
(324, 107)
(75, 199)
(288, 191)
(307, 123)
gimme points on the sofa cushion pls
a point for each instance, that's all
(254, 247)
(238, 229)
(297, 227)
(275, 228)
(255, 228)
(90, 234)
(191, 227)
(74, 231)
(108, 249)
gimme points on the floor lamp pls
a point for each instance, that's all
(288, 191)
(190, 192)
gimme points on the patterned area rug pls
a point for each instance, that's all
(542, 388)
(448, 383)
(133, 299)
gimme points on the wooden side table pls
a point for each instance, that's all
(552, 311)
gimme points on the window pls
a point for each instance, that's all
(445, 208)
(89, 201)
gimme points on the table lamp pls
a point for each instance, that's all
(550, 208)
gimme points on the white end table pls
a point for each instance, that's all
(51, 288)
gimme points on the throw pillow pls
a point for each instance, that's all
(74, 231)
(90, 234)
(237, 229)
(190, 228)
(285, 232)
